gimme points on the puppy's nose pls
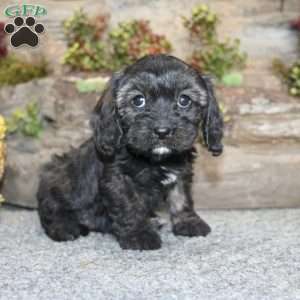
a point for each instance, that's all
(162, 132)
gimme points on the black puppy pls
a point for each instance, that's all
(141, 153)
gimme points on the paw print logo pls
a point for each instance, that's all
(24, 33)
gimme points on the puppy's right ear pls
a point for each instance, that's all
(105, 123)
(212, 125)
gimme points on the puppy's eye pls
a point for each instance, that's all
(139, 101)
(184, 101)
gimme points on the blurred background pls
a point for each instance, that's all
(250, 48)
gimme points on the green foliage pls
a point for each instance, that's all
(90, 50)
(135, 39)
(91, 85)
(80, 28)
(203, 23)
(294, 79)
(289, 75)
(88, 57)
(215, 57)
(232, 79)
(85, 51)
(26, 121)
(220, 58)
(14, 70)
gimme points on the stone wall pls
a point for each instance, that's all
(259, 166)
(260, 24)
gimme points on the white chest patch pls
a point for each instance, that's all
(170, 179)
(161, 150)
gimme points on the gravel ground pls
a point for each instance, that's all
(249, 255)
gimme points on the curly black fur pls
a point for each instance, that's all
(138, 157)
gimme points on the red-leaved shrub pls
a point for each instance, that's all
(296, 24)
(3, 45)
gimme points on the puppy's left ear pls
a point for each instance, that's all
(105, 122)
(212, 123)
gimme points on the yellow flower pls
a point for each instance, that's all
(2, 150)
(2, 128)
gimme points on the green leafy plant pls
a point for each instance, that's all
(202, 23)
(90, 85)
(135, 39)
(216, 57)
(26, 121)
(14, 70)
(90, 57)
(84, 35)
(92, 48)
(232, 79)
(80, 28)
(294, 79)
(219, 59)
(289, 75)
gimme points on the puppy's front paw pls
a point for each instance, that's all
(65, 230)
(194, 226)
(62, 234)
(144, 240)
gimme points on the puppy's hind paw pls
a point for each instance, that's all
(65, 233)
(194, 226)
(144, 240)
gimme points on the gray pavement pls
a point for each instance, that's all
(249, 255)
